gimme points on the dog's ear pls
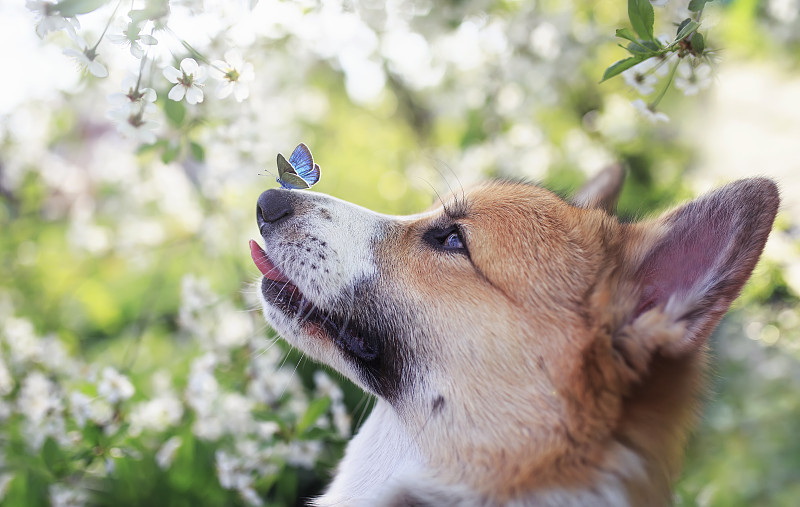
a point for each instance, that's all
(688, 266)
(602, 191)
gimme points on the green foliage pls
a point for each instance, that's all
(138, 258)
(68, 8)
(623, 65)
(641, 16)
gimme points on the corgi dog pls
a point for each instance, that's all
(524, 350)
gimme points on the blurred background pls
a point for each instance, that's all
(135, 368)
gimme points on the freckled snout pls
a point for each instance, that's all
(273, 206)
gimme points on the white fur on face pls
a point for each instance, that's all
(328, 248)
(325, 249)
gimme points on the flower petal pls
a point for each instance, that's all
(118, 38)
(224, 89)
(189, 65)
(194, 95)
(148, 94)
(200, 75)
(136, 50)
(172, 74)
(241, 92)
(97, 69)
(177, 92)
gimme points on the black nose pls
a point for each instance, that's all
(273, 205)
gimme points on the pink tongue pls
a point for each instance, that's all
(264, 265)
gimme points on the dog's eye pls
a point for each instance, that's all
(446, 238)
(453, 242)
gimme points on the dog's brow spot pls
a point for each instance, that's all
(438, 403)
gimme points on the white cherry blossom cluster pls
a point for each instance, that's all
(133, 110)
(656, 63)
(59, 405)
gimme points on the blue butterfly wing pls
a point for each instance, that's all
(313, 176)
(303, 163)
(301, 160)
(288, 177)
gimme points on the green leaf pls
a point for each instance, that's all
(621, 66)
(175, 111)
(286, 487)
(698, 42)
(69, 8)
(197, 150)
(641, 14)
(153, 10)
(145, 148)
(53, 458)
(171, 152)
(315, 409)
(627, 34)
(683, 23)
(686, 29)
(637, 49)
(697, 5)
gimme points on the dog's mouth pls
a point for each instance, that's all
(279, 292)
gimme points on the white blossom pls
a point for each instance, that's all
(86, 58)
(234, 74)
(303, 453)
(48, 19)
(327, 387)
(5, 481)
(643, 77)
(231, 471)
(691, 79)
(134, 99)
(114, 386)
(157, 414)
(131, 36)
(341, 419)
(166, 454)
(24, 345)
(38, 398)
(250, 496)
(62, 495)
(134, 125)
(237, 473)
(188, 81)
(6, 380)
(84, 408)
(79, 407)
(651, 115)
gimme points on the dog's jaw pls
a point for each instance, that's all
(318, 265)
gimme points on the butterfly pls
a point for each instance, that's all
(299, 171)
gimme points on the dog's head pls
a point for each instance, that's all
(517, 336)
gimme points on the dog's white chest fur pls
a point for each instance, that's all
(378, 459)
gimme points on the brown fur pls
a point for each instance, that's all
(600, 378)
(565, 352)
